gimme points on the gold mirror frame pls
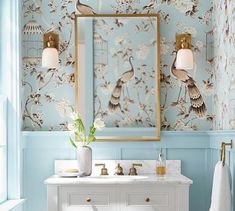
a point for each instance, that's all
(76, 75)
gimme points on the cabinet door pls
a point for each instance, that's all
(87, 198)
(148, 198)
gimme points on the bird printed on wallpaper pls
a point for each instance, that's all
(114, 102)
(84, 9)
(196, 100)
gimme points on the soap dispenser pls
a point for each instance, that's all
(161, 164)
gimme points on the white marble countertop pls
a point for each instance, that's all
(175, 179)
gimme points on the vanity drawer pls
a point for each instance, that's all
(158, 199)
(148, 198)
(86, 199)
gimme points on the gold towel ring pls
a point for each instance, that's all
(223, 150)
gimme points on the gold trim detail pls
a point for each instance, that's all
(76, 75)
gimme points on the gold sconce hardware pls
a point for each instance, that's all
(133, 170)
(88, 200)
(104, 171)
(223, 150)
(184, 57)
(118, 170)
(51, 40)
(147, 199)
(183, 41)
(50, 54)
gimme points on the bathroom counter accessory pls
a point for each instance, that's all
(148, 166)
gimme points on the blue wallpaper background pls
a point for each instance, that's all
(49, 94)
(128, 48)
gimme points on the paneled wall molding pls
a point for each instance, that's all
(41, 149)
(216, 137)
(169, 139)
(221, 133)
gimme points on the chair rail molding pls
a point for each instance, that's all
(171, 139)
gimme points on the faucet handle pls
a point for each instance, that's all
(133, 170)
(118, 170)
(136, 164)
(104, 171)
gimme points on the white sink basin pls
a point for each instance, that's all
(125, 179)
(114, 177)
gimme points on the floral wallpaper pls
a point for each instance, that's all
(48, 95)
(125, 71)
(224, 64)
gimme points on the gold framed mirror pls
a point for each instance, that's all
(117, 74)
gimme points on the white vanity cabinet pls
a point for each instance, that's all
(144, 192)
(150, 194)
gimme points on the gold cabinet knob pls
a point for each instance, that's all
(88, 200)
(147, 199)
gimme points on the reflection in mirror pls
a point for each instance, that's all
(117, 74)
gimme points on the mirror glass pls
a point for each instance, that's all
(117, 75)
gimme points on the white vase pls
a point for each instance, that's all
(84, 159)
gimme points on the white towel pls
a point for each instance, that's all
(221, 192)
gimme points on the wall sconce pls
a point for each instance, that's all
(184, 58)
(50, 55)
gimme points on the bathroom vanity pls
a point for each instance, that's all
(143, 192)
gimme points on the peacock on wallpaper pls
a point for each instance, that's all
(48, 95)
(125, 71)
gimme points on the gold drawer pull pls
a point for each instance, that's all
(88, 200)
(147, 199)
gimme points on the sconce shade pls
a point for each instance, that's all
(50, 58)
(184, 59)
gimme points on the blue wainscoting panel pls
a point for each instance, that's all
(142, 153)
(39, 165)
(195, 167)
(106, 153)
(40, 149)
(198, 151)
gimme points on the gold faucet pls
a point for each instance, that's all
(104, 171)
(133, 170)
(118, 170)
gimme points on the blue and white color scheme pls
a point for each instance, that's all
(48, 94)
